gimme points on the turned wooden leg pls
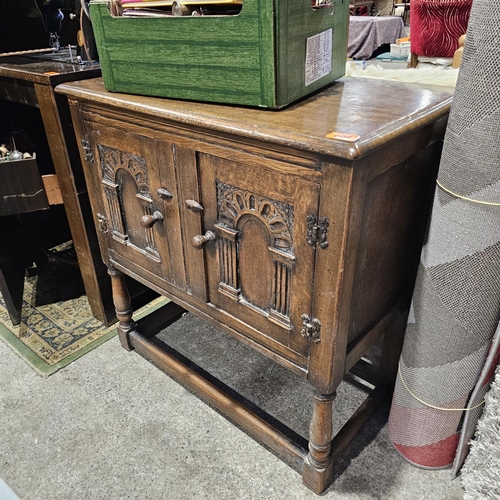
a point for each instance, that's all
(123, 307)
(318, 466)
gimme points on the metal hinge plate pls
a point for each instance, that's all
(311, 329)
(317, 231)
(88, 151)
(102, 223)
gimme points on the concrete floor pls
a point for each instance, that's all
(112, 426)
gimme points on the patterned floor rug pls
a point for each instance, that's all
(57, 326)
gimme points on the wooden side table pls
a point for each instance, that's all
(30, 80)
(298, 232)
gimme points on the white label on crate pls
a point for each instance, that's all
(318, 56)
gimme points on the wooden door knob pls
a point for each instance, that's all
(199, 241)
(164, 194)
(194, 206)
(148, 221)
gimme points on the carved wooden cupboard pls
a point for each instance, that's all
(298, 232)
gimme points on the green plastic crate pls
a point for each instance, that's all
(271, 54)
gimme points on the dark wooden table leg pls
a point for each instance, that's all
(317, 470)
(123, 307)
(15, 254)
(12, 270)
(67, 164)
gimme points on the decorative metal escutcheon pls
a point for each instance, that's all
(317, 231)
(103, 223)
(88, 152)
(311, 328)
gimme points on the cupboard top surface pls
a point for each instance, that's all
(371, 112)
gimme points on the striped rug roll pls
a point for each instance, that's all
(449, 353)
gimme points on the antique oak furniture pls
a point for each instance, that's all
(296, 231)
(29, 79)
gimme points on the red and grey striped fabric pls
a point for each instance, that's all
(436, 26)
(450, 352)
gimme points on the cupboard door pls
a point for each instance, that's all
(259, 264)
(139, 202)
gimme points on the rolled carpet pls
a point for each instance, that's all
(456, 301)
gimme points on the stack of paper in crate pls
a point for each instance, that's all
(162, 8)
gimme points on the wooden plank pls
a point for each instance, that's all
(52, 189)
(24, 52)
(326, 364)
(298, 131)
(306, 202)
(191, 221)
(366, 371)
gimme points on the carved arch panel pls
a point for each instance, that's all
(235, 206)
(119, 169)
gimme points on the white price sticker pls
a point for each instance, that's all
(319, 56)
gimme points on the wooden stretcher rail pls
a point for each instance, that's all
(288, 445)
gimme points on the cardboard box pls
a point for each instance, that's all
(271, 54)
(402, 50)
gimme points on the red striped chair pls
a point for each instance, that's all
(436, 26)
